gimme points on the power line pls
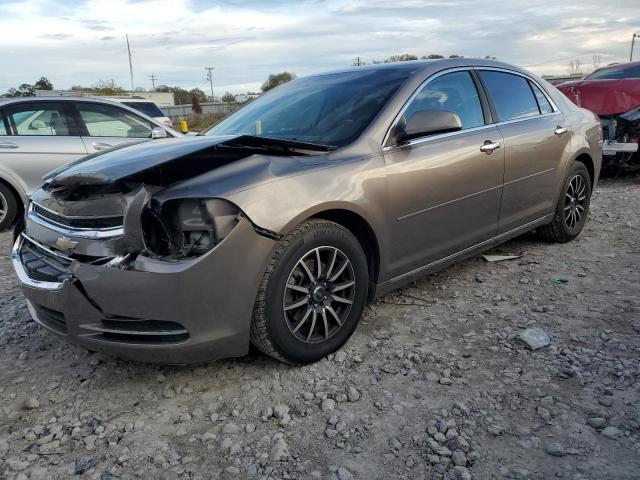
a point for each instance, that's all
(210, 78)
(153, 79)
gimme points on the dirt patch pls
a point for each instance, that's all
(434, 383)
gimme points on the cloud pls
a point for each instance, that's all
(246, 41)
(56, 36)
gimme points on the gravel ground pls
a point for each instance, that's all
(434, 384)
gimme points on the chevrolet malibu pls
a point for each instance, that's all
(279, 224)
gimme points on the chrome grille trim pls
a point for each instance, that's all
(88, 233)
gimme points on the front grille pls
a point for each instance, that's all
(137, 331)
(75, 222)
(41, 265)
(51, 318)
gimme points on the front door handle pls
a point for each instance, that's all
(560, 130)
(8, 145)
(488, 147)
(101, 146)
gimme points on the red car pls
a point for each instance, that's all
(613, 93)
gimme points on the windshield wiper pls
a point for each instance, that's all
(278, 143)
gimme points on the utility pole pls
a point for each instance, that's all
(130, 63)
(210, 78)
(633, 40)
(153, 78)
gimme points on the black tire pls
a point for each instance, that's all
(272, 328)
(564, 228)
(8, 207)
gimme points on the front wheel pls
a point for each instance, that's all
(8, 207)
(312, 293)
(572, 207)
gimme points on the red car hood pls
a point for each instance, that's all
(604, 97)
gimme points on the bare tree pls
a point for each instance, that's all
(596, 62)
(575, 67)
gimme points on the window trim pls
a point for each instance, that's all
(82, 126)
(473, 71)
(5, 123)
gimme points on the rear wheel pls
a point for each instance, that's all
(572, 207)
(312, 294)
(8, 207)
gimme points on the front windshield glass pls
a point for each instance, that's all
(614, 73)
(332, 109)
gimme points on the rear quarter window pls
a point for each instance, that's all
(543, 103)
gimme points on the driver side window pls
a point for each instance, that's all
(454, 92)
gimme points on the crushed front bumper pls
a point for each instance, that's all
(613, 148)
(621, 135)
(155, 311)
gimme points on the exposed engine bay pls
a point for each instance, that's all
(167, 209)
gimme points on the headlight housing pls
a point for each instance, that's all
(187, 227)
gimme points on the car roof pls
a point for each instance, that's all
(617, 65)
(415, 66)
(9, 101)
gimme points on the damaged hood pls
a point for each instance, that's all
(119, 163)
(604, 97)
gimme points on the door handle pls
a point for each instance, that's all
(488, 147)
(101, 146)
(8, 145)
(560, 130)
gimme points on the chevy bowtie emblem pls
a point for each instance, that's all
(64, 243)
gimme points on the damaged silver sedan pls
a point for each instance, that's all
(282, 222)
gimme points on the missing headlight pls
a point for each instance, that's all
(188, 227)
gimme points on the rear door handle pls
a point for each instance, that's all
(101, 146)
(560, 130)
(8, 145)
(488, 147)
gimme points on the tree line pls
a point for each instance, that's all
(407, 57)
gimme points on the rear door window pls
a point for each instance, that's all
(511, 94)
(111, 121)
(454, 92)
(38, 119)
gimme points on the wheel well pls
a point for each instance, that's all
(588, 162)
(365, 235)
(16, 195)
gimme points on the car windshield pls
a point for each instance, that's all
(332, 109)
(148, 108)
(613, 73)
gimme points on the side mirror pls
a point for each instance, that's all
(158, 132)
(426, 122)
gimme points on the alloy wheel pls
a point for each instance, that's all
(575, 201)
(319, 293)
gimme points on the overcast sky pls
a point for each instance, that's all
(75, 42)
